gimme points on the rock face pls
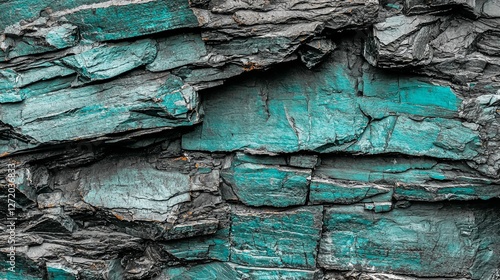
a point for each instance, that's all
(227, 139)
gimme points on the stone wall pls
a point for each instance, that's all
(266, 139)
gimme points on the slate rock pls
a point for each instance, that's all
(419, 240)
(267, 185)
(282, 239)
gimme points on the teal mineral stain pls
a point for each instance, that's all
(108, 61)
(276, 274)
(283, 239)
(136, 19)
(126, 104)
(178, 50)
(419, 240)
(268, 185)
(208, 271)
(54, 273)
(290, 113)
(328, 192)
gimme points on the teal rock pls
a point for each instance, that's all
(56, 271)
(209, 271)
(212, 247)
(108, 61)
(442, 138)
(31, 9)
(266, 238)
(325, 191)
(113, 21)
(259, 159)
(257, 273)
(385, 94)
(389, 170)
(24, 40)
(117, 190)
(422, 240)
(24, 268)
(267, 185)
(379, 207)
(14, 83)
(282, 118)
(149, 101)
(178, 50)
(279, 120)
(350, 179)
(447, 192)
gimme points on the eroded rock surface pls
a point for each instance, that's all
(228, 139)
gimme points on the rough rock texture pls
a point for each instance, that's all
(234, 139)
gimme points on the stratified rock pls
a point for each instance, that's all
(277, 273)
(212, 247)
(324, 191)
(348, 180)
(344, 118)
(178, 50)
(260, 184)
(137, 101)
(370, 154)
(456, 240)
(211, 271)
(441, 45)
(36, 37)
(293, 235)
(108, 61)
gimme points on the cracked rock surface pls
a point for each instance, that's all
(234, 139)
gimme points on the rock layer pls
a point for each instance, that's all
(227, 139)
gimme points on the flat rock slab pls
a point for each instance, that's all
(136, 101)
(291, 110)
(422, 240)
(266, 238)
(267, 185)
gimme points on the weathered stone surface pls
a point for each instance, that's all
(176, 51)
(348, 180)
(210, 271)
(419, 240)
(139, 100)
(293, 236)
(376, 122)
(371, 153)
(108, 20)
(213, 247)
(258, 184)
(276, 274)
(109, 61)
(324, 191)
(37, 37)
